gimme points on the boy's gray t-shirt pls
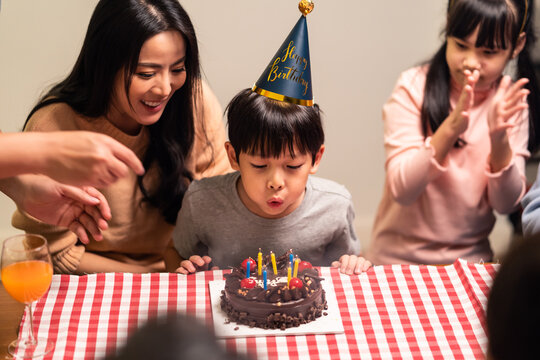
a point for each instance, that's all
(213, 221)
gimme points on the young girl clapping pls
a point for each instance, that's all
(456, 135)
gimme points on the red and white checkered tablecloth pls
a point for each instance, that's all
(398, 311)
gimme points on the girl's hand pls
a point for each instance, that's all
(508, 100)
(457, 121)
(352, 264)
(194, 264)
(459, 117)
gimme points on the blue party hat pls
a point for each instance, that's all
(288, 76)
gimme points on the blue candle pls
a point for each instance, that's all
(291, 260)
(248, 268)
(264, 278)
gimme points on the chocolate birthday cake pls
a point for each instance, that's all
(283, 304)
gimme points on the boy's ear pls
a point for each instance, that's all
(231, 154)
(317, 161)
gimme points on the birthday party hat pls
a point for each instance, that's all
(288, 76)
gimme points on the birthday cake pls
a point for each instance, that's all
(287, 301)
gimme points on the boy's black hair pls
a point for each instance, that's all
(265, 127)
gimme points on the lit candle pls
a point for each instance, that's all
(248, 270)
(291, 260)
(259, 261)
(296, 261)
(264, 277)
(273, 257)
(288, 275)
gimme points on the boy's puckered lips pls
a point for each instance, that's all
(275, 202)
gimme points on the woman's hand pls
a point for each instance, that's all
(79, 158)
(86, 158)
(81, 210)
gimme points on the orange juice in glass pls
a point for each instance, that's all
(26, 275)
(27, 281)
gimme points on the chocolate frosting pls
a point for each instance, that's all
(278, 306)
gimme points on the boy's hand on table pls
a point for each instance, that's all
(352, 264)
(194, 264)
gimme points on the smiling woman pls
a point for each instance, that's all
(159, 73)
(137, 79)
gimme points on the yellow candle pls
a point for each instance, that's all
(273, 257)
(259, 260)
(296, 261)
(288, 275)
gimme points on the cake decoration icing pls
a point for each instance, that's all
(285, 303)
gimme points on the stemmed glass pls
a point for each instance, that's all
(26, 275)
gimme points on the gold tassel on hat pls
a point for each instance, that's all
(306, 6)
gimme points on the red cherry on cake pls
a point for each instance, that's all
(248, 283)
(304, 265)
(252, 264)
(295, 283)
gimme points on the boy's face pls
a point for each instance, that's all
(273, 187)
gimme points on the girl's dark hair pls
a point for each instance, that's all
(261, 126)
(500, 23)
(115, 36)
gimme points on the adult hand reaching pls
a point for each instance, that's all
(79, 158)
(81, 210)
(89, 158)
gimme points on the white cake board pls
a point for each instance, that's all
(326, 324)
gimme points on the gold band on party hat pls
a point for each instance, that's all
(279, 97)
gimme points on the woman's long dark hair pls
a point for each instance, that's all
(499, 26)
(115, 36)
